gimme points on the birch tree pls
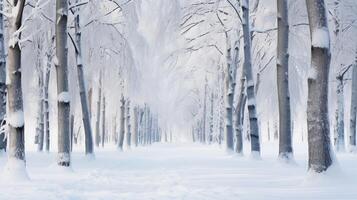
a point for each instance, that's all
(81, 83)
(122, 124)
(253, 117)
(317, 106)
(61, 63)
(97, 123)
(340, 137)
(285, 136)
(135, 128)
(353, 111)
(239, 115)
(128, 124)
(39, 138)
(15, 116)
(103, 135)
(49, 54)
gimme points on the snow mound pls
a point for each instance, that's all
(64, 97)
(16, 119)
(14, 171)
(321, 38)
(255, 155)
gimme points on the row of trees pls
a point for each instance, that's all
(244, 96)
(138, 124)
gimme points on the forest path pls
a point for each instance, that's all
(172, 172)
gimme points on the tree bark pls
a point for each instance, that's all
(317, 106)
(15, 100)
(62, 83)
(285, 136)
(253, 118)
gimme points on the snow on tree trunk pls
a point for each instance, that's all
(285, 136)
(239, 116)
(340, 139)
(62, 84)
(353, 111)
(39, 138)
(2, 79)
(317, 105)
(40, 113)
(128, 124)
(97, 123)
(103, 135)
(122, 124)
(82, 87)
(253, 118)
(230, 91)
(15, 116)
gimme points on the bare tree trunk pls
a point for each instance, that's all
(136, 121)
(353, 111)
(71, 128)
(103, 121)
(40, 118)
(285, 137)
(82, 88)
(97, 123)
(253, 118)
(122, 124)
(239, 115)
(2, 79)
(128, 124)
(46, 104)
(340, 137)
(230, 90)
(317, 106)
(211, 119)
(15, 100)
(204, 115)
(62, 83)
(90, 96)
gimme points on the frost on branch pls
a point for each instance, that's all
(64, 97)
(321, 38)
(16, 119)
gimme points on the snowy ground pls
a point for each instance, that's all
(179, 171)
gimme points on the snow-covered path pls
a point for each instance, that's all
(171, 172)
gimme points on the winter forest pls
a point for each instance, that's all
(178, 99)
